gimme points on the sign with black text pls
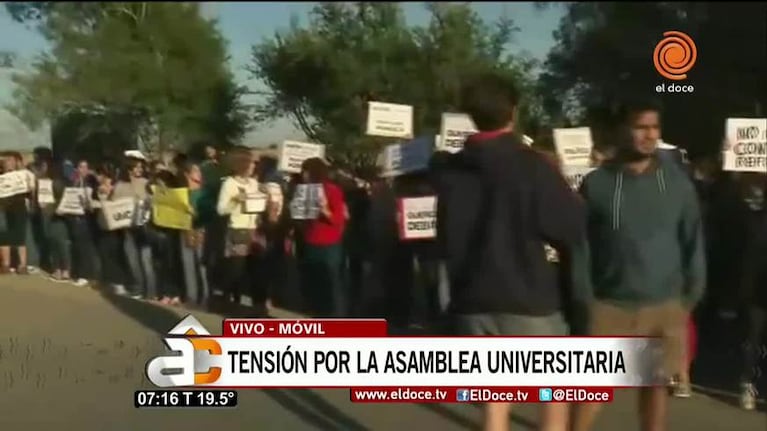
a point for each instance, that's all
(390, 120)
(305, 204)
(293, 154)
(417, 218)
(13, 183)
(746, 145)
(454, 130)
(117, 214)
(574, 146)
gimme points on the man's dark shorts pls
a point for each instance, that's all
(510, 324)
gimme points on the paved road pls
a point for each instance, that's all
(71, 356)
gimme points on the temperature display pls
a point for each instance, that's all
(184, 398)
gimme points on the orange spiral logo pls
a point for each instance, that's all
(675, 55)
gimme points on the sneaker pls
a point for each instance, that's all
(747, 396)
(681, 390)
(81, 282)
(136, 297)
(33, 270)
(119, 289)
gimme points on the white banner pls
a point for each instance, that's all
(746, 145)
(574, 146)
(406, 157)
(305, 204)
(14, 183)
(293, 154)
(74, 201)
(390, 120)
(454, 130)
(254, 203)
(417, 218)
(45, 192)
(404, 361)
(117, 214)
(575, 175)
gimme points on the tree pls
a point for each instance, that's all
(604, 53)
(158, 69)
(322, 76)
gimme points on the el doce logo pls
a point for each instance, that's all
(192, 367)
(674, 56)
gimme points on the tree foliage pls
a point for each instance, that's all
(604, 53)
(322, 76)
(158, 70)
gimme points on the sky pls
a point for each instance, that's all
(244, 24)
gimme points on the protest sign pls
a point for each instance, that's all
(74, 200)
(454, 130)
(746, 145)
(305, 204)
(574, 146)
(171, 209)
(575, 175)
(406, 157)
(417, 218)
(390, 120)
(254, 203)
(13, 183)
(45, 192)
(293, 154)
(117, 214)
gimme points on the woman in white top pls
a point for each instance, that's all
(241, 226)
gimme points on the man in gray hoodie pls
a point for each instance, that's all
(644, 259)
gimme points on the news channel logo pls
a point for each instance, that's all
(544, 395)
(462, 395)
(186, 368)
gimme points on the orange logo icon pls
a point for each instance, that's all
(675, 55)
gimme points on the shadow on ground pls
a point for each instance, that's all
(151, 316)
(314, 410)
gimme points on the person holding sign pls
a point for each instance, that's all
(644, 258)
(141, 281)
(82, 223)
(320, 264)
(241, 227)
(50, 188)
(109, 242)
(16, 216)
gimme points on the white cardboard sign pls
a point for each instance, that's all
(305, 204)
(293, 154)
(746, 145)
(390, 120)
(454, 130)
(74, 200)
(118, 214)
(417, 218)
(13, 183)
(574, 146)
(45, 192)
(254, 203)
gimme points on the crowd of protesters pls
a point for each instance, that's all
(635, 248)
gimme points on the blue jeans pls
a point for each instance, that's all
(195, 277)
(138, 254)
